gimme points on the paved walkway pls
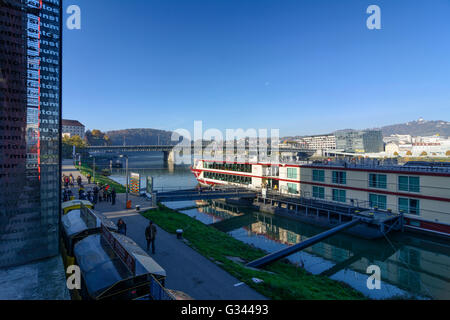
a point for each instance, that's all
(186, 269)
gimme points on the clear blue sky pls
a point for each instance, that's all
(302, 66)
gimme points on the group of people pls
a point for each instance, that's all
(104, 193)
(69, 181)
(98, 194)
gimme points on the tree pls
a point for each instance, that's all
(69, 142)
(97, 133)
(423, 154)
(409, 153)
(447, 153)
(396, 154)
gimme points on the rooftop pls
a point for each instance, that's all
(73, 123)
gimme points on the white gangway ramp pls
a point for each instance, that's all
(302, 245)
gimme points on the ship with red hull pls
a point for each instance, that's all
(419, 194)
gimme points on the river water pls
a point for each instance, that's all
(411, 266)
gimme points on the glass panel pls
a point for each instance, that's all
(382, 181)
(414, 206)
(414, 184)
(403, 183)
(403, 205)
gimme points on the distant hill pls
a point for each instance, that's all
(136, 137)
(419, 128)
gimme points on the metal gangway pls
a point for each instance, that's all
(302, 245)
(205, 194)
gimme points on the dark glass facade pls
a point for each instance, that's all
(370, 141)
(30, 117)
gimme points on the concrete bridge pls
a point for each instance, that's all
(170, 151)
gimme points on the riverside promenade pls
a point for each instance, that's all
(187, 270)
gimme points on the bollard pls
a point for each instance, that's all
(179, 234)
(138, 208)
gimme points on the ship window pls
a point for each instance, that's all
(410, 184)
(377, 181)
(292, 173)
(339, 177)
(319, 192)
(377, 201)
(339, 195)
(411, 206)
(292, 188)
(319, 175)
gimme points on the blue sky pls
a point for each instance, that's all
(301, 66)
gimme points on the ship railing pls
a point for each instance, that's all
(383, 167)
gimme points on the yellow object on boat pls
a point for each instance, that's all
(75, 205)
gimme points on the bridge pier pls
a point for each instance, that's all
(169, 156)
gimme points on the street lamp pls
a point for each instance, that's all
(126, 173)
(91, 156)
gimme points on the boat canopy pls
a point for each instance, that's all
(105, 273)
(75, 204)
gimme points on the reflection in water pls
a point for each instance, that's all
(410, 265)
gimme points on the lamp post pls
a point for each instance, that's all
(93, 170)
(126, 173)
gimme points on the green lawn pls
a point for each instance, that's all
(85, 169)
(284, 281)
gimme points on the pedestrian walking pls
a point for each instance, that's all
(89, 178)
(71, 180)
(150, 235)
(100, 194)
(66, 181)
(108, 194)
(122, 227)
(79, 181)
(113, 196)
(105, 194)
(95, 190)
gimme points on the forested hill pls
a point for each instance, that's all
(136, 137)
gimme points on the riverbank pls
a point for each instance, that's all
(85, 169)
(281, 280)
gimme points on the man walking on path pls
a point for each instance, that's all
(150, 235)
(89, 178)
(122, 227)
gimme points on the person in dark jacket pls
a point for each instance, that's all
(150, 236)
(113, 196)
(95, 190)
(79, 181)
(122, 227)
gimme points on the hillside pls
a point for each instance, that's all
(419, 128)
(137, 137)
(414, 128)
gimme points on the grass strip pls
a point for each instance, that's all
(282, 280)
(85, 169)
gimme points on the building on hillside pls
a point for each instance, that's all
(73, 128)
(399, 138)
(368, 141)
(323, 142)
